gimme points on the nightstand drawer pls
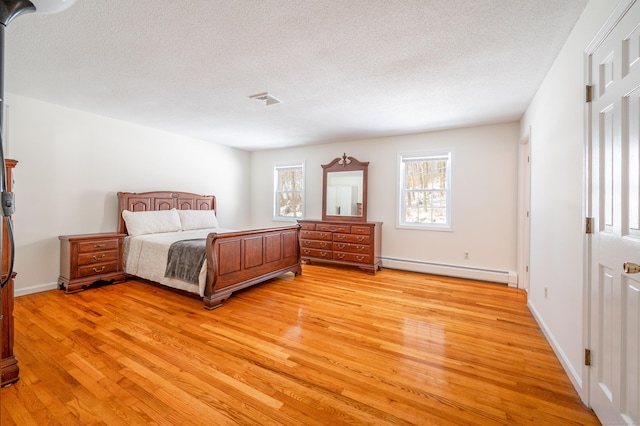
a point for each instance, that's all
(100, 245)
(99, 269)
(98, 257)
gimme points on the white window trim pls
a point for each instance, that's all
(400, 190)
(289, 164)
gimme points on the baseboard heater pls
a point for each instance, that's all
(491, 275)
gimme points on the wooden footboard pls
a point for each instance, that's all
(241, 259)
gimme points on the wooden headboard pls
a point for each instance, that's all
(161, 200)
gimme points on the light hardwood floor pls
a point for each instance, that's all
(331, 347)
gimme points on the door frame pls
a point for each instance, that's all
(608, 26)
(524, 211)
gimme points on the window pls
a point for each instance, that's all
(425, 190)
(289, 191)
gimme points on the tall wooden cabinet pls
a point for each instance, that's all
(9, 363)
(343, 243)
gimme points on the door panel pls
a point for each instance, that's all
(615, 296)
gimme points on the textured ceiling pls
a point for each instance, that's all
(344, 69)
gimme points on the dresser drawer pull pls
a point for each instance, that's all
(340, 255)
(306, 251)
(323, 254)
(99, 258)
(341, 246)
(99, 245)
(324, 245)
(307, 243)
(323, 234)
(360, 239)
(340, 237)
(98, 270)
(359, 258)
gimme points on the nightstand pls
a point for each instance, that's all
(89, 258)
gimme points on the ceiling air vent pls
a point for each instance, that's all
(266, 98)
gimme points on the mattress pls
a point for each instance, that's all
(145, 256)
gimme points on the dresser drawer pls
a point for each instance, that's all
(316, 235)
(325, 245)
(352, 248)
(308, 226)
(352, 257)
(361, 230)
(97, 257)
(99, 269)
(99, 245)
(350, 238)
(345, 229)
(320, 254)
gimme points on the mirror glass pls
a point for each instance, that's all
(344, 191)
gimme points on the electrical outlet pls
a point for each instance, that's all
(466, 255)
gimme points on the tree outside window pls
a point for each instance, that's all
(425, 199)
(289, 191)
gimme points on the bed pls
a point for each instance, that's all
(234, 260)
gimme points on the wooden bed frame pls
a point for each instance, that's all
(235, 260)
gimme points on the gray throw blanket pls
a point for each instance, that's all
(185, 259)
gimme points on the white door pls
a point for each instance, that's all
(614, 379)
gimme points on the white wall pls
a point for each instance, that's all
(556, 117)
(71, 164)
(484, 195)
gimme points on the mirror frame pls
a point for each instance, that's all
(345, 164)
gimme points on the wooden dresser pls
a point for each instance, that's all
(89, 258)
(9, 363)
(344, 243)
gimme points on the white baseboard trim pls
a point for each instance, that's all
(576, 379)
(495, 276)
(35, 289)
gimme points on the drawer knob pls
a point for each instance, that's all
(98, 270)
(99, 258)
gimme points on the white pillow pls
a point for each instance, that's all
(151, 222)
(197, 219)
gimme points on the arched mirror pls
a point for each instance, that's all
(344, 190)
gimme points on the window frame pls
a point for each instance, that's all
(401, 194)
(275, 211)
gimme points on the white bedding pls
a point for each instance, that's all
(145, 256)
